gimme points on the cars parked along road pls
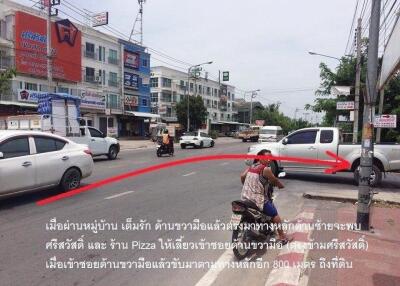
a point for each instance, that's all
(34, 160)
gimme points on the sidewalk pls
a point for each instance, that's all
(346, 262)
(144, 144)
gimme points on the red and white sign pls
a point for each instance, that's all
(385, 121)
(100, 19)
(31, 47)
(345, 105)
(260, 122)
(131, 60)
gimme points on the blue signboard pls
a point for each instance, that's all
(131, 80)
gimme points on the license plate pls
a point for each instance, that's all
(235, 219)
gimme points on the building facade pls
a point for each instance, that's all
(168, 87)
(99, 68)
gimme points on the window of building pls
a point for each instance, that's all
(215, 92)
(144, 102)
(102, 54)
(191, 87)
(89, 74)
(15, 148)
(208, 90)
(154, 97)
(47, 144)
(145, 62)
(102, 76)
(200, 89)
(166, 82)
(154, 82)
(233, 97)
(113, 101)
(63, 89)
(182, 84)
(113, 56)
(89, 50)
(31, 86)
(113, 79)
(229, 95)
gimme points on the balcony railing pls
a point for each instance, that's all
(113, 61)
(113, 83)
(90, 54)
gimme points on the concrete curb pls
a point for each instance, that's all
(344, 198)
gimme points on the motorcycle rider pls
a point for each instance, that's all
(167, 141)
(256, 180)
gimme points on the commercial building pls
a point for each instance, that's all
(168, 87)
(244, 107)
(110, 75)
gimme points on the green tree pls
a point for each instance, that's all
(5, 84)
(197, 111)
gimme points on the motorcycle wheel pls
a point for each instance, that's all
(159, 153)
(239, 236)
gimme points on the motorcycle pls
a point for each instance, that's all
(250, 226)
(164, 149)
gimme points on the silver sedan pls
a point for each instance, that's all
(32, 161)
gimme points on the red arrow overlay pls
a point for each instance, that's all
(334, 166)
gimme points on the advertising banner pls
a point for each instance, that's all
(260, 122)
(131, 100)
(131, 60)
(26, 95)
(92, 100)
(100, 19)
(385, 121)
(131, 80)
(31, 47)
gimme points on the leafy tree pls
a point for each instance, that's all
(197, 112)
(5, 78)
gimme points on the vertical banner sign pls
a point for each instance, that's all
(225, 76)
(31, 47)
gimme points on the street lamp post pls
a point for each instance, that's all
(188, 91)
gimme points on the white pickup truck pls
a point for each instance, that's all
(312, 143)
(98, 142)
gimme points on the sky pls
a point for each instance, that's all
(264, 44)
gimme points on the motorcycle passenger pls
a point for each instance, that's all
(166, 140)
(256, 180)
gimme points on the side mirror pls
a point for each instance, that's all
(282, 175)
(1, 155)
(285, 141)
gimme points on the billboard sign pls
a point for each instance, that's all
(92, 100)
(260, 122)
(131, 80)
(131, 100)
(345, 105)
(385, 121)
(100, 19)
(26, 95)
(31, 47)
(131, 60)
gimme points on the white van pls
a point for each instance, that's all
(270, 134)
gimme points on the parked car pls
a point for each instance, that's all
(196, 139)
(312, 143)
(34, 160)
(98, 142)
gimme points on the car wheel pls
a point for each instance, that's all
(112, 153)
(244, 140)
(376, 176)
(71, 180)
(183, 146)
(201, 144)
(212, 144)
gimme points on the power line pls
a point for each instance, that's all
(352, 26)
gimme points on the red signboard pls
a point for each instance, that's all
(31, 47)
(131, 60)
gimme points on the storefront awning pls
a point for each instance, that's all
(16, 103)
(142, 114)
(228, 122)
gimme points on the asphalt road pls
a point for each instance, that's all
(181, 194)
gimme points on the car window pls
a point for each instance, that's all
(203, 134)
(305, 137)
(190, 134)
(95, 133)
(326, 136)
(17, 147)
(47, 144)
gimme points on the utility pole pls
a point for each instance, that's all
(253, 95)
(380, 111)
(358, 83)
(49, 52)
(139, 19)
(367, 144)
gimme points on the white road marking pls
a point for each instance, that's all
(284, 275)
(118, 195)
(186, 175)
(212, 274)
(224, 164)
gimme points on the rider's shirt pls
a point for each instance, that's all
(254, 188)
